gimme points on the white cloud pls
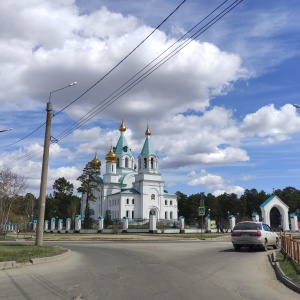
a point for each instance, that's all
(209, 180)
(230, 190)
(271, 124)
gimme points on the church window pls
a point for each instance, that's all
(132, 214)
(145, 162)
(112, 168)
(152, 163)
(125, 148)
(132, 201)
(118, 162)
(171, 202)
(127, 201)
(152, 197)
(166, 202)
(127, 213)
(171, 215)
(166, 215)
(139, 163)
(126, 162)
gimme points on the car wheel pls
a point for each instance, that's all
(237, 248)
(276, 245)
(265, 247)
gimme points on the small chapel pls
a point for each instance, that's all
(131, 190)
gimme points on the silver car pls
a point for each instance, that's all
(253, 234)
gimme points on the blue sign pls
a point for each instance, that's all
(201, 211)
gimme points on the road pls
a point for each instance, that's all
(148, 270)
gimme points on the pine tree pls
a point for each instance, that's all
(88, 187)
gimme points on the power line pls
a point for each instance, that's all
(104, 104)
(122, 60)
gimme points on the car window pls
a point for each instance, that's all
(266, 227)
(247, 226)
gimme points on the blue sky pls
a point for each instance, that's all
(219, 111)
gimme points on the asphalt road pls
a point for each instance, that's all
(148, 270)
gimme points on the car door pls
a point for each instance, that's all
(269, 234)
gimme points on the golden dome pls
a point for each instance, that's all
(96, 163)
(148, 132)
(122, 126)
(111, 156)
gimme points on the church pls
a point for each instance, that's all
(130, 190)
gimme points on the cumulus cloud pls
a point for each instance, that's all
(271, 124)
(45, 45)
(214, 183)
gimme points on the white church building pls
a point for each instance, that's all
(130, 190)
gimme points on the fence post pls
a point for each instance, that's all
(152, 223)
(125, 224)
(100, 223)
(181, 224)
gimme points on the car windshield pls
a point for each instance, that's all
(247, 226)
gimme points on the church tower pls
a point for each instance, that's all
(148, 161)
(124, 157)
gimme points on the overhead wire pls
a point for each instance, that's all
(110, 71)
(104, 104)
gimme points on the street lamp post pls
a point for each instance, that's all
(44, 174)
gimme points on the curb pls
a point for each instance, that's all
(34, 261)
(8, 265)
(281, 276)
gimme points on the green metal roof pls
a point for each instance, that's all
(147, 148)
(122, 147)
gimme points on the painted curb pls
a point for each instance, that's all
(282, 277)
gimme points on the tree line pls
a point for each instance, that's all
(16, 206)
(219, 207)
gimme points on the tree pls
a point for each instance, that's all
(11, 187)
(67, 203)
(89, 186)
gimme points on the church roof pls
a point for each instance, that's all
(129, 191)
(122, 147)
(147, 148)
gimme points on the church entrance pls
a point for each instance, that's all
(275, 218)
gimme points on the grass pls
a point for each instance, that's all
(288, 267)
(23, 253)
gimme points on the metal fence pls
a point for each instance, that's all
(290, 246)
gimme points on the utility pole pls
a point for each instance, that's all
(44, 175)
(42, 202)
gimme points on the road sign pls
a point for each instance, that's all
(201, 211)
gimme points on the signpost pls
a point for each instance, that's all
(201, 213)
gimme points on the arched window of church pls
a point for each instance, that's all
(145, 162)
(112, 168)
(152, 197)
(132, 201)
(166, 215)
(127, 201)
(166, 202)
(127, 213)
(118, 162)
(152, 163)
(171, 202)
(126, 162)
(132, 214)
(171, 215)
